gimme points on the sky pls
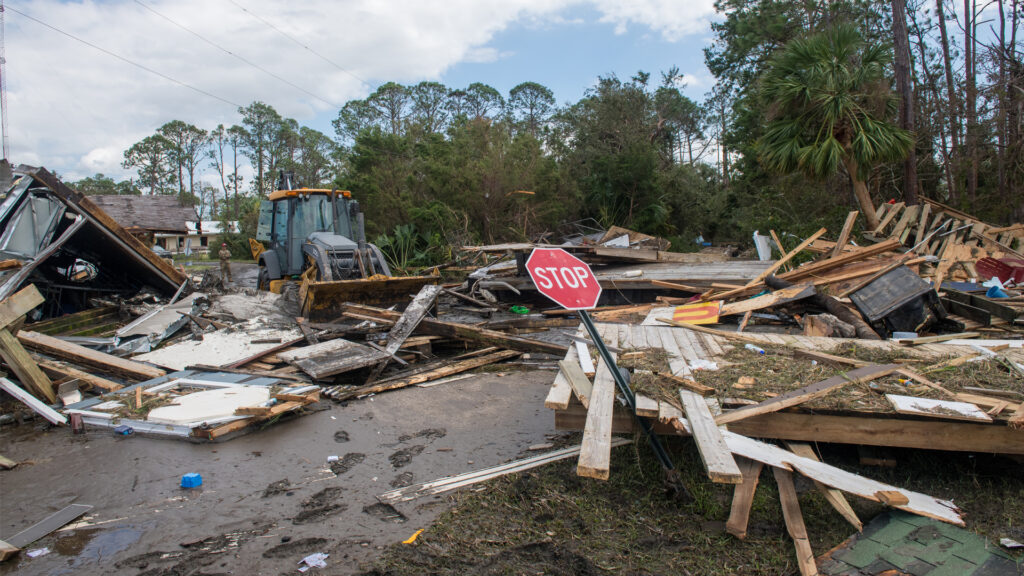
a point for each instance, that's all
(75, 104)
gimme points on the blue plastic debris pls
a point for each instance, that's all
(124, 430)
(191, 480)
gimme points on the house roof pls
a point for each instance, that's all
(149, 213)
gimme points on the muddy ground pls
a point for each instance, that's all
(268, 498)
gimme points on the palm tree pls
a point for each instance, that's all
(828, 99)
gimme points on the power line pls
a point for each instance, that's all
(241, 58)
(125, 60)
(299, 42)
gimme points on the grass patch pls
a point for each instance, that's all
(550, 521)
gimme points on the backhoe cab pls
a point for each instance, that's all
(319, 228)
(317, 237)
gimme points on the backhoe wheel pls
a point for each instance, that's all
(263, 279)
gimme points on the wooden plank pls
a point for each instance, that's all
(801, 395)
(333, 357)
(795, 522)
(47, 525)
(32, 402)
(718, 461)
(909, 216)
(406, 323)
(255, 357)
(831, 495)
(595, 454)
(889, 216)
(828, 358)
(937, 408)
(790, 294)
(441, 372)
(20, 303)
(87, 357)
(844, 234)
(922, 225)
(6, 550)
(677, 286)
(818, 268)
(57, 370)
(561, 389)
(935, 339)
(706, 330)
(577, 380)
(25, 368)
(465, 332)
(743, 497)
(1017, 419)
(789, 256)
(687, 384)
(646, 406)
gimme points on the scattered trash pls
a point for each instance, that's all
(318, 560)
(753, 348)
(413, 538)
(37, 552)
(191, 480)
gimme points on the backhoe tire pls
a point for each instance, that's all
(263, 279)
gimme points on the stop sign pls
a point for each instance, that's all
(564, 278)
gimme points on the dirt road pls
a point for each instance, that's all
(269, 498)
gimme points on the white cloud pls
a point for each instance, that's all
(75, 109)
(673, 19)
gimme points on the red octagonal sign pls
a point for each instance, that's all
(564, 278)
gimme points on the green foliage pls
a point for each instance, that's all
(103, 185)
(829, 102)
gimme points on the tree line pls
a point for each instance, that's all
(819, 107)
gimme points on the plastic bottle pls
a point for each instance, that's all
(753, 348)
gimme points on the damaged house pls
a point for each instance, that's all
(70, 248)
(160, 220)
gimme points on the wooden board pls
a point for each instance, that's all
(718, 461)
(795, 522)
(947, 409)
(464, 332)
(87, 357)
(595, 453)
(743, 497)
(577, 380)
(831, 495)
(433, 374)
(793, 293)
(844, 234)
(32, 402)
(561, 390)
(332, 357)
(25, 368)
(57, 370)
(406, 323)
(801, 395)
(20, 303)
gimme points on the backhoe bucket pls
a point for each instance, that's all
(321, 301)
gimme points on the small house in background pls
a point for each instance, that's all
(203, 235)
(159, 220)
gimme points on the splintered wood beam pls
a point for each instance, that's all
(790, 294)
(57, 370)
(32, 402)
(691, 385)
(789, 256)
(795, 522)
(595, 452)
(743, 497)
(712, 331)
(427, 376)
(801, 395)
(718, 460)
(406, 323)
(20, 303)
(462, 331)
(25, 368)
(844, 234)
(88, 357)
(832, 496)
(579, 382)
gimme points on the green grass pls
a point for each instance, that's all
(550, 521)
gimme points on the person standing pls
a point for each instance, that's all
(225, 262)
